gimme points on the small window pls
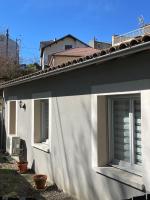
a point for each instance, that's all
(125, 133)
(41, 121)
(68, 47)
(12, 118)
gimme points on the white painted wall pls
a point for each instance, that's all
(73, 155)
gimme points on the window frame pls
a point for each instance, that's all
(68, 46)
(128, 166)
(44, 146)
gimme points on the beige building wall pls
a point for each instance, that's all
(59, 46)
(57, 60)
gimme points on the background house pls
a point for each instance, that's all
(48, 48)
(69, 55)
(9, 48)
(51, 49)
(9, 55)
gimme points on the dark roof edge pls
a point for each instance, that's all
(96, 60)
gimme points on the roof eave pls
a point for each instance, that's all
(96, 60)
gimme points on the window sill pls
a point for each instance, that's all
(42, 147)
(121, 176)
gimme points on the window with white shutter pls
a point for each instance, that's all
(125, 134)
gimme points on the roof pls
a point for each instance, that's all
(79, 52)
(56, 41)
(124, 49)
(45, 43)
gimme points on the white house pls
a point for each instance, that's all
(85, 123)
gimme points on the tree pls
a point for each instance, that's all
(8, 67)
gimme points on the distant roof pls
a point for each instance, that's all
(54, 42)
(45, 43)
(122, 50)
(79, 52)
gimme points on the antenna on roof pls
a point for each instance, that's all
(141, 21)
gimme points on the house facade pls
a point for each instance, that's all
(85, 124)
(48, 48)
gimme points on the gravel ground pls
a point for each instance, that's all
(14, 184)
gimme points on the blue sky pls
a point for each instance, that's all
(35, 20)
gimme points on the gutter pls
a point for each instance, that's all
(96, 60)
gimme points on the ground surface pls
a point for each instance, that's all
(14, 184)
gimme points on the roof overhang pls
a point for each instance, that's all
(95, 60)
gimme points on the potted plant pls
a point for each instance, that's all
(22, 166)
(40, 181)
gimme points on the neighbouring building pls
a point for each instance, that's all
(70, 55)
(9, 48)
(85, 123)
(9, 53)
(48, 48)
(127, 37)
(99, 45)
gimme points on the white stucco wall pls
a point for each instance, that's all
(74, 153)
(145, 108)
(69, 163)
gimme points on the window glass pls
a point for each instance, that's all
(126, 130)
(68, 47)
(121, 129)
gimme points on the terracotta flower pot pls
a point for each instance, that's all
(22, 166)
(40, 181)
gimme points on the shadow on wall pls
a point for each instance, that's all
(3, 138)
(2, 134)
(75, 170)
(23, 155)
(33, 165)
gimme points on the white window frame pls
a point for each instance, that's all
(128, 166)
(44, 146)
(16, 123)
(94, 122)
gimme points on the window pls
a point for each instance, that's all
(125, 131)
(12, 118)
(41, 121)
(68, 47)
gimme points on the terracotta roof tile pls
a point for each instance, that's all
(77, 52)
(70, 64)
